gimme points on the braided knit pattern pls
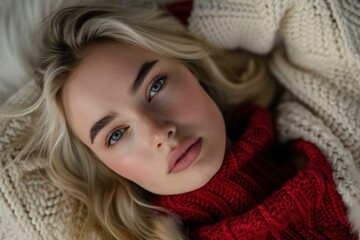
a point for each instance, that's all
(245, 199)
(31, 207)
(315, 48)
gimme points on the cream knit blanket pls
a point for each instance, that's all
(316, 57)
(315, 48)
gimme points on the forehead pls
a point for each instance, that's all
(106, 63)
(108, 59)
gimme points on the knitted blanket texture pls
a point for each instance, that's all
(315, 54)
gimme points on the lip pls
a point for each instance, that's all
(184, 155)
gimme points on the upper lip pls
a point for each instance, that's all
(178, 152)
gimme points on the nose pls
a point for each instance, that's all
(159, 132)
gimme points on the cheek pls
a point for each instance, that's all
(130, 167)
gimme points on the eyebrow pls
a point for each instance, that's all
(144, 70)
(100, 124)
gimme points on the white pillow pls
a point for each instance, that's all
(18, 20)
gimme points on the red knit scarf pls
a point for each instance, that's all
(248, 198)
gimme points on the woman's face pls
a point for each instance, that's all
(146, 117)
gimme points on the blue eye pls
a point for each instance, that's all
(115, 136)
(156, 86)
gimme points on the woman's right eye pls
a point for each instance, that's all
(115, 136)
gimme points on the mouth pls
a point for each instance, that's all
(184, 155)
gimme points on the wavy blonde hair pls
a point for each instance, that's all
(117, 208)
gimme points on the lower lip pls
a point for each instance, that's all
(189, 158)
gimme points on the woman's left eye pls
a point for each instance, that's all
(156, 86)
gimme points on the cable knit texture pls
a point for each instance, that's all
(245, 200)
(315, 49)
(31, 206)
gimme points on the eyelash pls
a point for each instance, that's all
(160, 77)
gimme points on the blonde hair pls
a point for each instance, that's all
(117, 208)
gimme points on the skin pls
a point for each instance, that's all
(169, 108)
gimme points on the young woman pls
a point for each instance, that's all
(131, 118)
